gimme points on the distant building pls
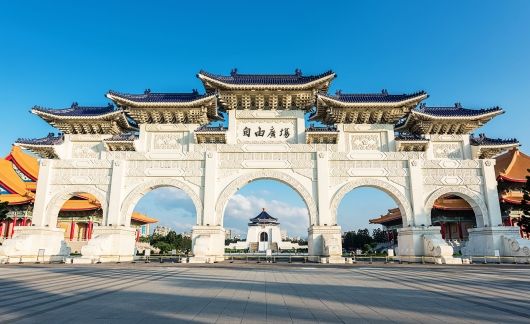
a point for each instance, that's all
(264, 234)
(162, 230)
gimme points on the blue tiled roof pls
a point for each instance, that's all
(123, 137)
(266, 79)
(149, 96)
(206, 128)
(483, 140)
(76, 110)
(373, 97)
(51, 139)
(313, 128)
(411, 137)
(263, 217)
(455, 111)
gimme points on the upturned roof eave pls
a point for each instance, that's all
(229, 86)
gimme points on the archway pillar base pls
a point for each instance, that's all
(424, 244)
(208, 244)
(325, 244)
(28, 241)
(110, 244)
(498, 240)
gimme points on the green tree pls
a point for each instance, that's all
(524, 220)
(357, 240)
(163, 246)
(379, 236)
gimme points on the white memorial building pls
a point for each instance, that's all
(138, 142)
(264, 234)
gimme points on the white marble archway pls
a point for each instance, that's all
(132, 198)
(59, 198)
(246, 178)
(387, 187)
(471, 197)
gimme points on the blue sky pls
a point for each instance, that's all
(473, 52)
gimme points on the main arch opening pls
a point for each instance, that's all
(266, 215)
(163, 218)
(369, 218)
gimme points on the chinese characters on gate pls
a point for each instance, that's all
(267, 133)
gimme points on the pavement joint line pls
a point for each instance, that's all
(487, 305)
(68, 289)
(127, 285)
(46, 282)
(470, 288)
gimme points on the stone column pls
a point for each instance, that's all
(209, 191)
(115, 240)
(324, 214)
(208, 237)
(42, 195)
(324, 237)
(491, 195)
(113, 216)
(493, 237)
(420, 239)
(416, 193)
(27, 241)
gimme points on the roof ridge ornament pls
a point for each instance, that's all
(338, 92)
(195, 91)
(298, 72)
(233, 72)
(384, 92)
(74, 104)
(147, 91)
(458, 105)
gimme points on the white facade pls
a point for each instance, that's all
(168, 155)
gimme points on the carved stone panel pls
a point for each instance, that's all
(448, 150)
(365, 141)
(168, 141)
(85, 151)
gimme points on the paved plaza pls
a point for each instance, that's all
(251, 293)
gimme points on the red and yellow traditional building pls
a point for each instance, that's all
(78, 216)
(455, 216)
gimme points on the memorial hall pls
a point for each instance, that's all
(246, 127)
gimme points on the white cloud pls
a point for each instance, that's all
(241, 208)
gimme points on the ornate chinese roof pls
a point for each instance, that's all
(485, 148)
(392, 215)
(266, 91)
(263, 80)
(157, 97)
(512, 166)
(144, 219)
(121, 142)
(482, 140)
(375, 108)
(167, 108)
(43, 147)
(86, 120)
(446, 120)
(26, 163)
(411, 142)
(263, 218)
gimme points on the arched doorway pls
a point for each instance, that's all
(78, 216)
(265, 214)
(163, 218)
(263, 237)
(369, 220)
(455, 216)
